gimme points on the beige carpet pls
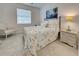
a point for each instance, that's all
(13, 46)
(58, 49)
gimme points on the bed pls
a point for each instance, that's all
(37, 37)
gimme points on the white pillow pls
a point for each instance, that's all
(53, 23)
(44, 23)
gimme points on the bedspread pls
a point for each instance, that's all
(38, 37)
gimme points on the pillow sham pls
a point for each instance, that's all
(53, 24)
(44, 23)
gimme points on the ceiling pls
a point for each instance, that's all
(39, 5)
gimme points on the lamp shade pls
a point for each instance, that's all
(69, 18)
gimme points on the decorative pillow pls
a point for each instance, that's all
(53, 24)
(44, 23)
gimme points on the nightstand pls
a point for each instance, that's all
(69, 37)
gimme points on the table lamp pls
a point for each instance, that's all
(69, 19)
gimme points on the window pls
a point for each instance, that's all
(23, 16)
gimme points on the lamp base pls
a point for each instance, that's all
(68, 29)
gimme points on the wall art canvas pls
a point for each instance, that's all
(52, 13)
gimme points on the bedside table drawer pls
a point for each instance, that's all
(68, 34)
(69, 38)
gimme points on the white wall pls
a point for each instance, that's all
(8, 16)
(64, 10)
(74, 24)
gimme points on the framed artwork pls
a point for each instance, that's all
(52, 13)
